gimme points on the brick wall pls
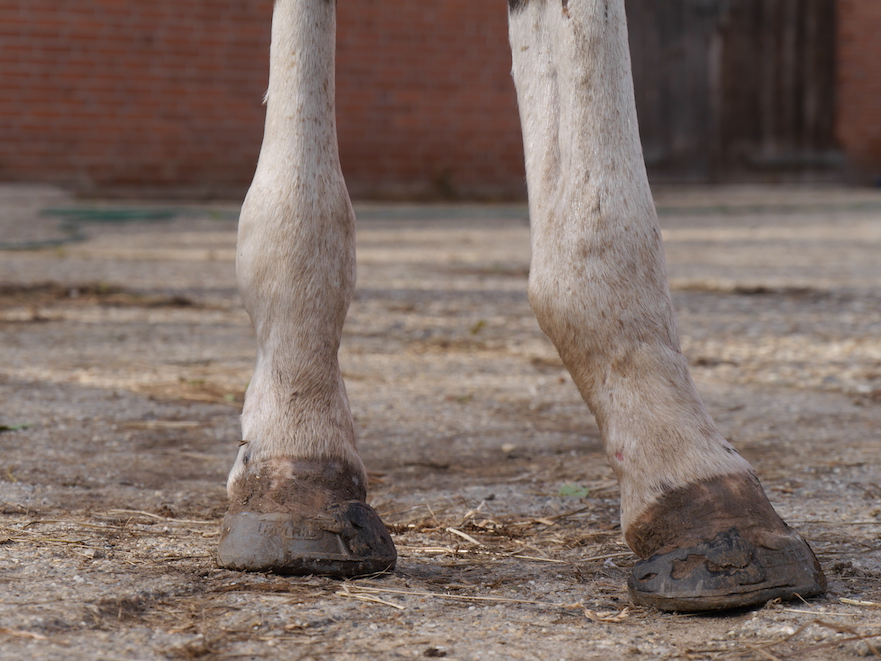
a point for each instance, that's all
(124, 96)
(859, 87)
(119, 96)
(425, 99)
(115, 94)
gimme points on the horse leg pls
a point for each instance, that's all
(691, 506)
(297, 490)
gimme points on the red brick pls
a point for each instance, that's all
(168, 93)
(859, 86)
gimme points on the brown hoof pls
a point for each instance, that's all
(303, 518)
(718, 544)
(726, 572)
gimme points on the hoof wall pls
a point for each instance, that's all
(726, 572)
(348, 539)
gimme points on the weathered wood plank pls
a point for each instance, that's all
(735, 89)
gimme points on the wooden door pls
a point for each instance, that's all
(735, 89)
(671, 42)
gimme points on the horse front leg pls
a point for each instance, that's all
(298, 489)
(691, 506)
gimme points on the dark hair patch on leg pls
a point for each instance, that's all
(516, 5)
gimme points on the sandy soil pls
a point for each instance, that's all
(126, 353)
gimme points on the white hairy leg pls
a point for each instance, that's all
(295, 259)
(598, 288)
(597, 281)
(298, 488)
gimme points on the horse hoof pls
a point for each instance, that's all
(726, 572)
(718, 544)
(348, 539)
(303, 517)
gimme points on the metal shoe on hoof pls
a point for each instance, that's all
(726, 572)
(303, 517)
(348, 539)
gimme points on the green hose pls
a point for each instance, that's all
(72, 220)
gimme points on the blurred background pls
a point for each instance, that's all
(163, 97)
(125, 349)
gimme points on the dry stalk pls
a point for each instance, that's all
(531, 557)
(607, 616)
(551, 520)
(435, 549)
(841, 628)
(621, 554)
(761, 648)
(834, 643)
(765, 653)
(839, 523)
(804, 612)
(22, 634)
(345, 592)
(855, 602)
(162, 424)
(157, 517)
(465, 536)
(459, 597)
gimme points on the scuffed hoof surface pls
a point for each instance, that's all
(303, 518)
(726, 572)
(718, 544)
(350, 540)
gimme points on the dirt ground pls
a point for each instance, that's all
(126, 351)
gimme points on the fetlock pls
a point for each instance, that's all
(290, 485)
